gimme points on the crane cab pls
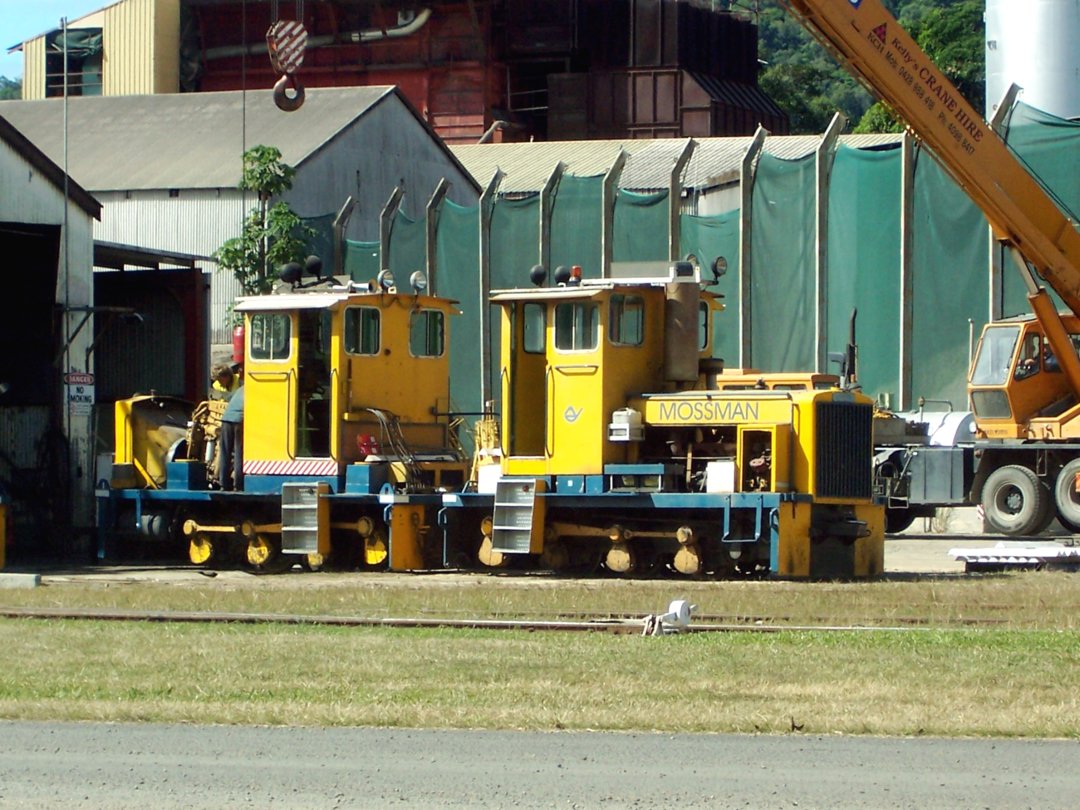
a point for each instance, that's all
(1016, 384)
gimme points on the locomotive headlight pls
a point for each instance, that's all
(418, 281)
(385, 279)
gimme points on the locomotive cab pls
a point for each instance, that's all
(572, 354)
(341, 378)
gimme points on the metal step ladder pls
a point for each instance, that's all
(305, 518)
(518, 521)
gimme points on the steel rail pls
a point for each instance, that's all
(605, 625)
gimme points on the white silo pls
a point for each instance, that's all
(1035, 44)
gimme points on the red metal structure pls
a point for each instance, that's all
(507, 69)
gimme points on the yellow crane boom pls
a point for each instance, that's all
(873, 46)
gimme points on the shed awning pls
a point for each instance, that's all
(115, 256)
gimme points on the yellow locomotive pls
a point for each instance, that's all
(623, 442)
(346, 403)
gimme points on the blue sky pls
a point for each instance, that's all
(23, 19)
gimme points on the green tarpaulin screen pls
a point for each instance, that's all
(321, 242)
(950, 257)
(515, 241)
(705, 238)
(362, 260)
(457, 263)
(640, 227)
(577, 224)
(407, 247)
(782, 289)
(1050, 149)
(864, 264)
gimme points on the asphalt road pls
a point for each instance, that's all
(90, 765)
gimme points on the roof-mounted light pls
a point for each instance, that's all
(385, 280)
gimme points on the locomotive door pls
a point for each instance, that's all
(524, 384)
(575, 434)
(270, 390)
(314, 389)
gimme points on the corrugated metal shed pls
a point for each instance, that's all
(189, 140)
(166, 168)
(715, 161)
(32, 154)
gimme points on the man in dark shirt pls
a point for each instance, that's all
(231, 443)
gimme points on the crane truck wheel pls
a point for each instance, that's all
(896, 520)
(1066, 498)
(1015, 502)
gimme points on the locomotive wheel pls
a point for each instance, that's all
(264, 554)
(375, 549)
(621, 558)
(488, 556)
(1066, 498)
(688, 560)
(1015, 502)
(204, 549)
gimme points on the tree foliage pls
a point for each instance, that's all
(10, 88)
(810, 85)
(272, 234)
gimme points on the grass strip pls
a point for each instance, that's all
(942, 682)
(1031, 600)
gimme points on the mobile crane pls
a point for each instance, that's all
(1024, 382)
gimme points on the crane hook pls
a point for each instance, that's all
(281, 95)
(286, 40)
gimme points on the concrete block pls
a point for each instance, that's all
(19, 580)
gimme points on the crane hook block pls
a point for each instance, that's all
(281, 96)
(286, 41)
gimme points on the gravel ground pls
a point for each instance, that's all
(91, 765)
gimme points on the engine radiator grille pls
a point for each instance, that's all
(845, 451)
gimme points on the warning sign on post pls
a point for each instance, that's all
(80, 392)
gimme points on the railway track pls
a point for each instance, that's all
(598, 623)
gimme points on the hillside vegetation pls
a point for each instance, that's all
(809, 84)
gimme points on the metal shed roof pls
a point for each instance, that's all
(715, 161)
(36, 157)
(187, 140)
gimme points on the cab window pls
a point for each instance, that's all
(995, 355)
(626, 320)
(362, 330)
(703, 325)
(535, 322)
(1027, 364)
(270, 335)
(576, 326)
(426, 333)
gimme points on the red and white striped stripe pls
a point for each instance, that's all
(298, 466)
(286, 40)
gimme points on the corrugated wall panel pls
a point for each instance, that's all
(20, 431)
(142, 47)
(34, 69)
(198, 222)
(166, 58)
(127, 45)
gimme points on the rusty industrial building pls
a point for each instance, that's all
(498, 70)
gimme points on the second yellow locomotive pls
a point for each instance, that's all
(620, 445)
